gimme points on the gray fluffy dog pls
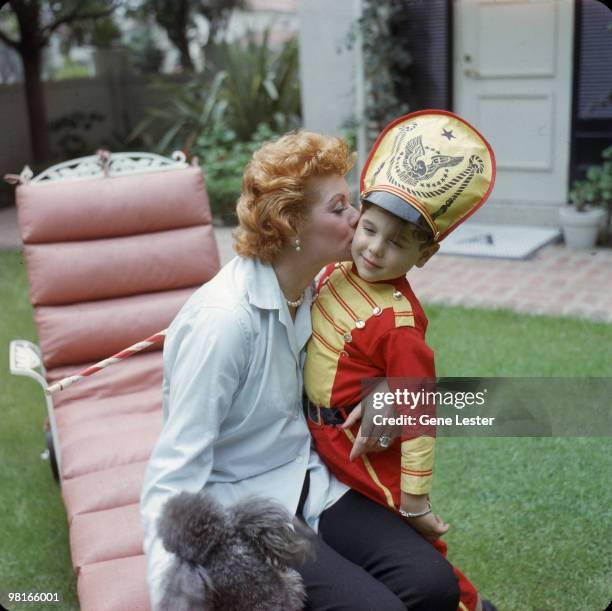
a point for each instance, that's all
(234, 559)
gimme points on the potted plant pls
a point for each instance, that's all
(592, 205)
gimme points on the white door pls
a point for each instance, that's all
(512, 79)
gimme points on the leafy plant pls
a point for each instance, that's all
(223, 158)
(349, 132)
(72, 130)
(105, 32)
(253, 96)
(194, 107)
(145, 56)
(244, 87)
(102, 32)
(386, 60)
(596, 188)
(261, 85)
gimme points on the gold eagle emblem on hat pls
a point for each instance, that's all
(407, 161)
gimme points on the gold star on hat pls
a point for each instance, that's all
(430, 168)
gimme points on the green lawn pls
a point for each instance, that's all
(530, 518)
(33, 529)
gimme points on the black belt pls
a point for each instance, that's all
(323, 415)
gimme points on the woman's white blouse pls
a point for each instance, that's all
(232, 404)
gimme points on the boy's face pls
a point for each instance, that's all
(384, 247)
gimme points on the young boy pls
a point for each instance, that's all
(426, 173)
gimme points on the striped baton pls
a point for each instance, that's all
(111, 360)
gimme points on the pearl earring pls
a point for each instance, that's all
(297, 245)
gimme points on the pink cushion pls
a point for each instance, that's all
(104, 535)
(95, 330)
(118, 267)
(79, 413)
(111, 261)
(140, 373)
(107, 426)
(108, 451)
(106, 489)
(110, 207)
(115, 585)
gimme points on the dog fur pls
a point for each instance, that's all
(234, 559)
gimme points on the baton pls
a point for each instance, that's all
(111, 360)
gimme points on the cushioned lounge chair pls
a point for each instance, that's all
(113, 246)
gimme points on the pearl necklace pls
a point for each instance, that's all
(297, 303)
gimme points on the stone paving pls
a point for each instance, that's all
(556, 280)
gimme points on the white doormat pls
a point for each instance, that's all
(500, 241)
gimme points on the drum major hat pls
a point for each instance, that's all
(430, 168)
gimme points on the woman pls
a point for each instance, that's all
(232, 392)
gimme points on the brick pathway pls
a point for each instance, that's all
(555, 281)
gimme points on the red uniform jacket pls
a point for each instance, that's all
(367, 330)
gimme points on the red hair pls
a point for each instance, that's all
(275, 194)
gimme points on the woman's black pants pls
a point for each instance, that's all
(368, 559)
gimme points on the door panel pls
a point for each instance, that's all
(515, 40)
(512, 78)
(523, 115)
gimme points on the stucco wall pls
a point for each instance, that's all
(122, 103)
(327, 68)
(331, 75)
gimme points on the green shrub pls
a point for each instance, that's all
(595, 189)
(261, 85)
(72, 132)
(193, 108)
(249, 94)
(223, 159)
(243, 87)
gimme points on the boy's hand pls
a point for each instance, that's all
(431, 525)
(369, 434)
(361, 445)
(353, 417)
(367, 441)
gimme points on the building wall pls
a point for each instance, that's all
(328, 70)
(331, 75)
(277, 6)
(122, 102)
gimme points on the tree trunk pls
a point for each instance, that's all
(35, 100)
(183, 46)
(182, 23)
